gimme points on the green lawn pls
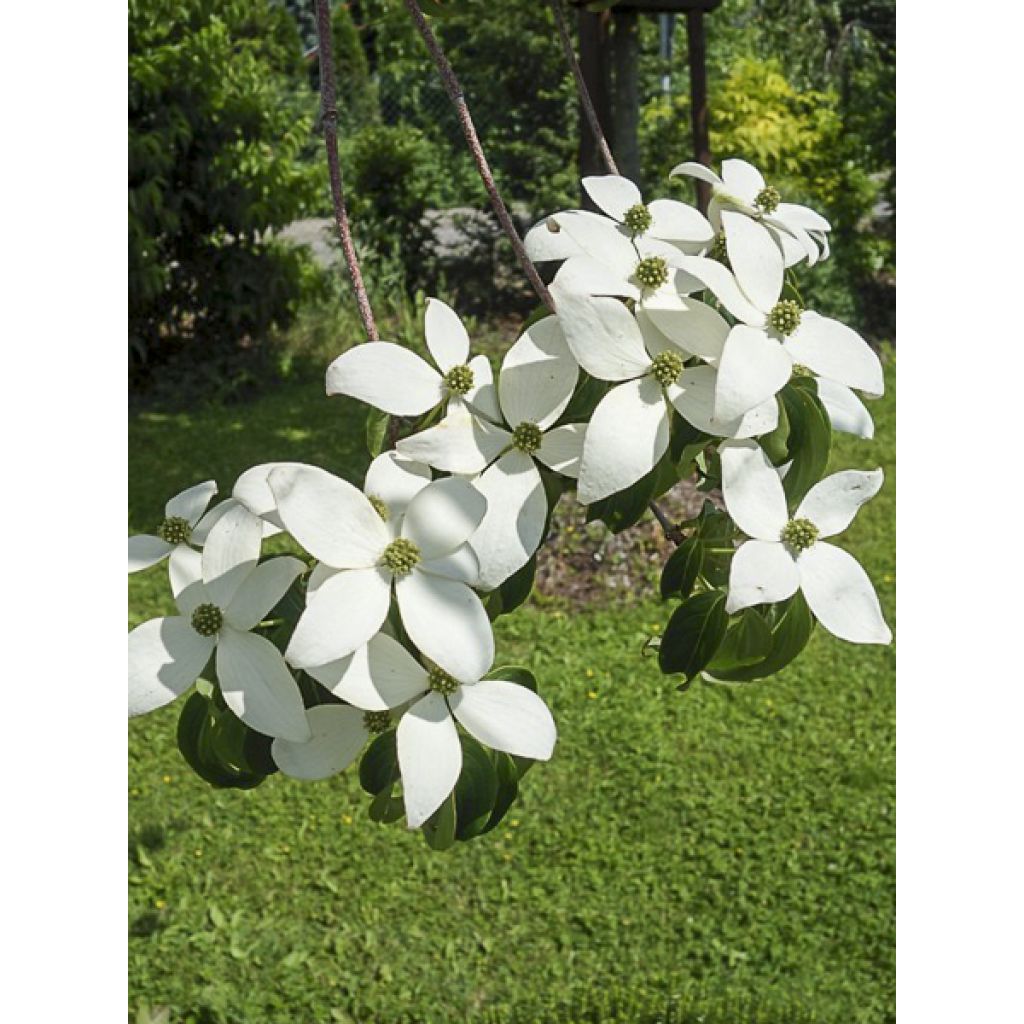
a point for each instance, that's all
(729, 848)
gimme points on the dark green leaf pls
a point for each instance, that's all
(514, 674)
(810, 438)
(776, 444)
(513, 592)
(693, 634)
(747, 641)
(793, 627)
(386, 808)
(623, 510)
(476, 790)
(376, 431)
(589, 392)
(439, 828)
(508, 776)
(682, 568)
(378, 770)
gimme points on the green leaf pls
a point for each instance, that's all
(682, 568)
(208, 745)
(376, 432)
(378, 769)
(514, 674)
(439, 828)
(776, 444)
(686, 440)
(626, 508)
(508, 776)
(476, 790)
(585, 399)
(192, 720)
(793, 627)
(810, 438)
(386, 808)
(513, 592)
(693, 634)
(747, 641)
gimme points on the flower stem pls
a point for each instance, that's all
(328, 105)
(671, 531)
(456, 95)
(581, 85)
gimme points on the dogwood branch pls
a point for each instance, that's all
(328, 105)
(581, 86)
(671, 531)
(456, 95)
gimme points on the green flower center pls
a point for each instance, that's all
(401, 556)
(379, 506)
(718, 250)
(666, 368)
(785, 316)
(799, 534)
(768, 199)
(441, 682)
(652, 272)
(175, 530)
(207, 620)
(638, 219)
(459, 379)
(377, 721)
(799, 370)
(527, 437)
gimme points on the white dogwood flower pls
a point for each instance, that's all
(786, 553)
(773, 336)
(629, 430)
(167, 655)
(537, 379)
(185, 528)
(397, 381)
(427, 561)
(796, 231)
(384, 676)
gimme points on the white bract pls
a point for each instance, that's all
(185, 527)
(537, 380)
(787, 553)
(399, 382)
(167, 655)
(503, 715)
(424, 556)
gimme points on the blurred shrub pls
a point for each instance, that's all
(219, 111)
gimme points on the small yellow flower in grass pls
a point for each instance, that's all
(592, 694)
(513, 823)
(198, 853)
(590, 673)
(160, 904)
(167, 778)
(346, 819)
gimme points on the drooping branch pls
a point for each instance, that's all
(456, 95)
(581, 86)
(329, 108)
(671, 531)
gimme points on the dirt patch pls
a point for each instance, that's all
(585, 563)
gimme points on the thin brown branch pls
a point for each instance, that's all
(456, 95)
(329, 107)
(581, 86)
(671, 531)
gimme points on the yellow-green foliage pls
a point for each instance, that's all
(786, 133)
(792, 136)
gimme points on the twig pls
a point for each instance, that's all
(328, 104)
(671, 531)
(581, 85)
(456, 95)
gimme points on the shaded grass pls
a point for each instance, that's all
(723, 855)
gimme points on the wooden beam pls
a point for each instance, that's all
(698, 100)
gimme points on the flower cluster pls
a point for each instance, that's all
(679, 347)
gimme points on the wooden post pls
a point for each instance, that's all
(594, 64)
(698, 100)
(626, 106)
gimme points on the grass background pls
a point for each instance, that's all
(723, 855)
